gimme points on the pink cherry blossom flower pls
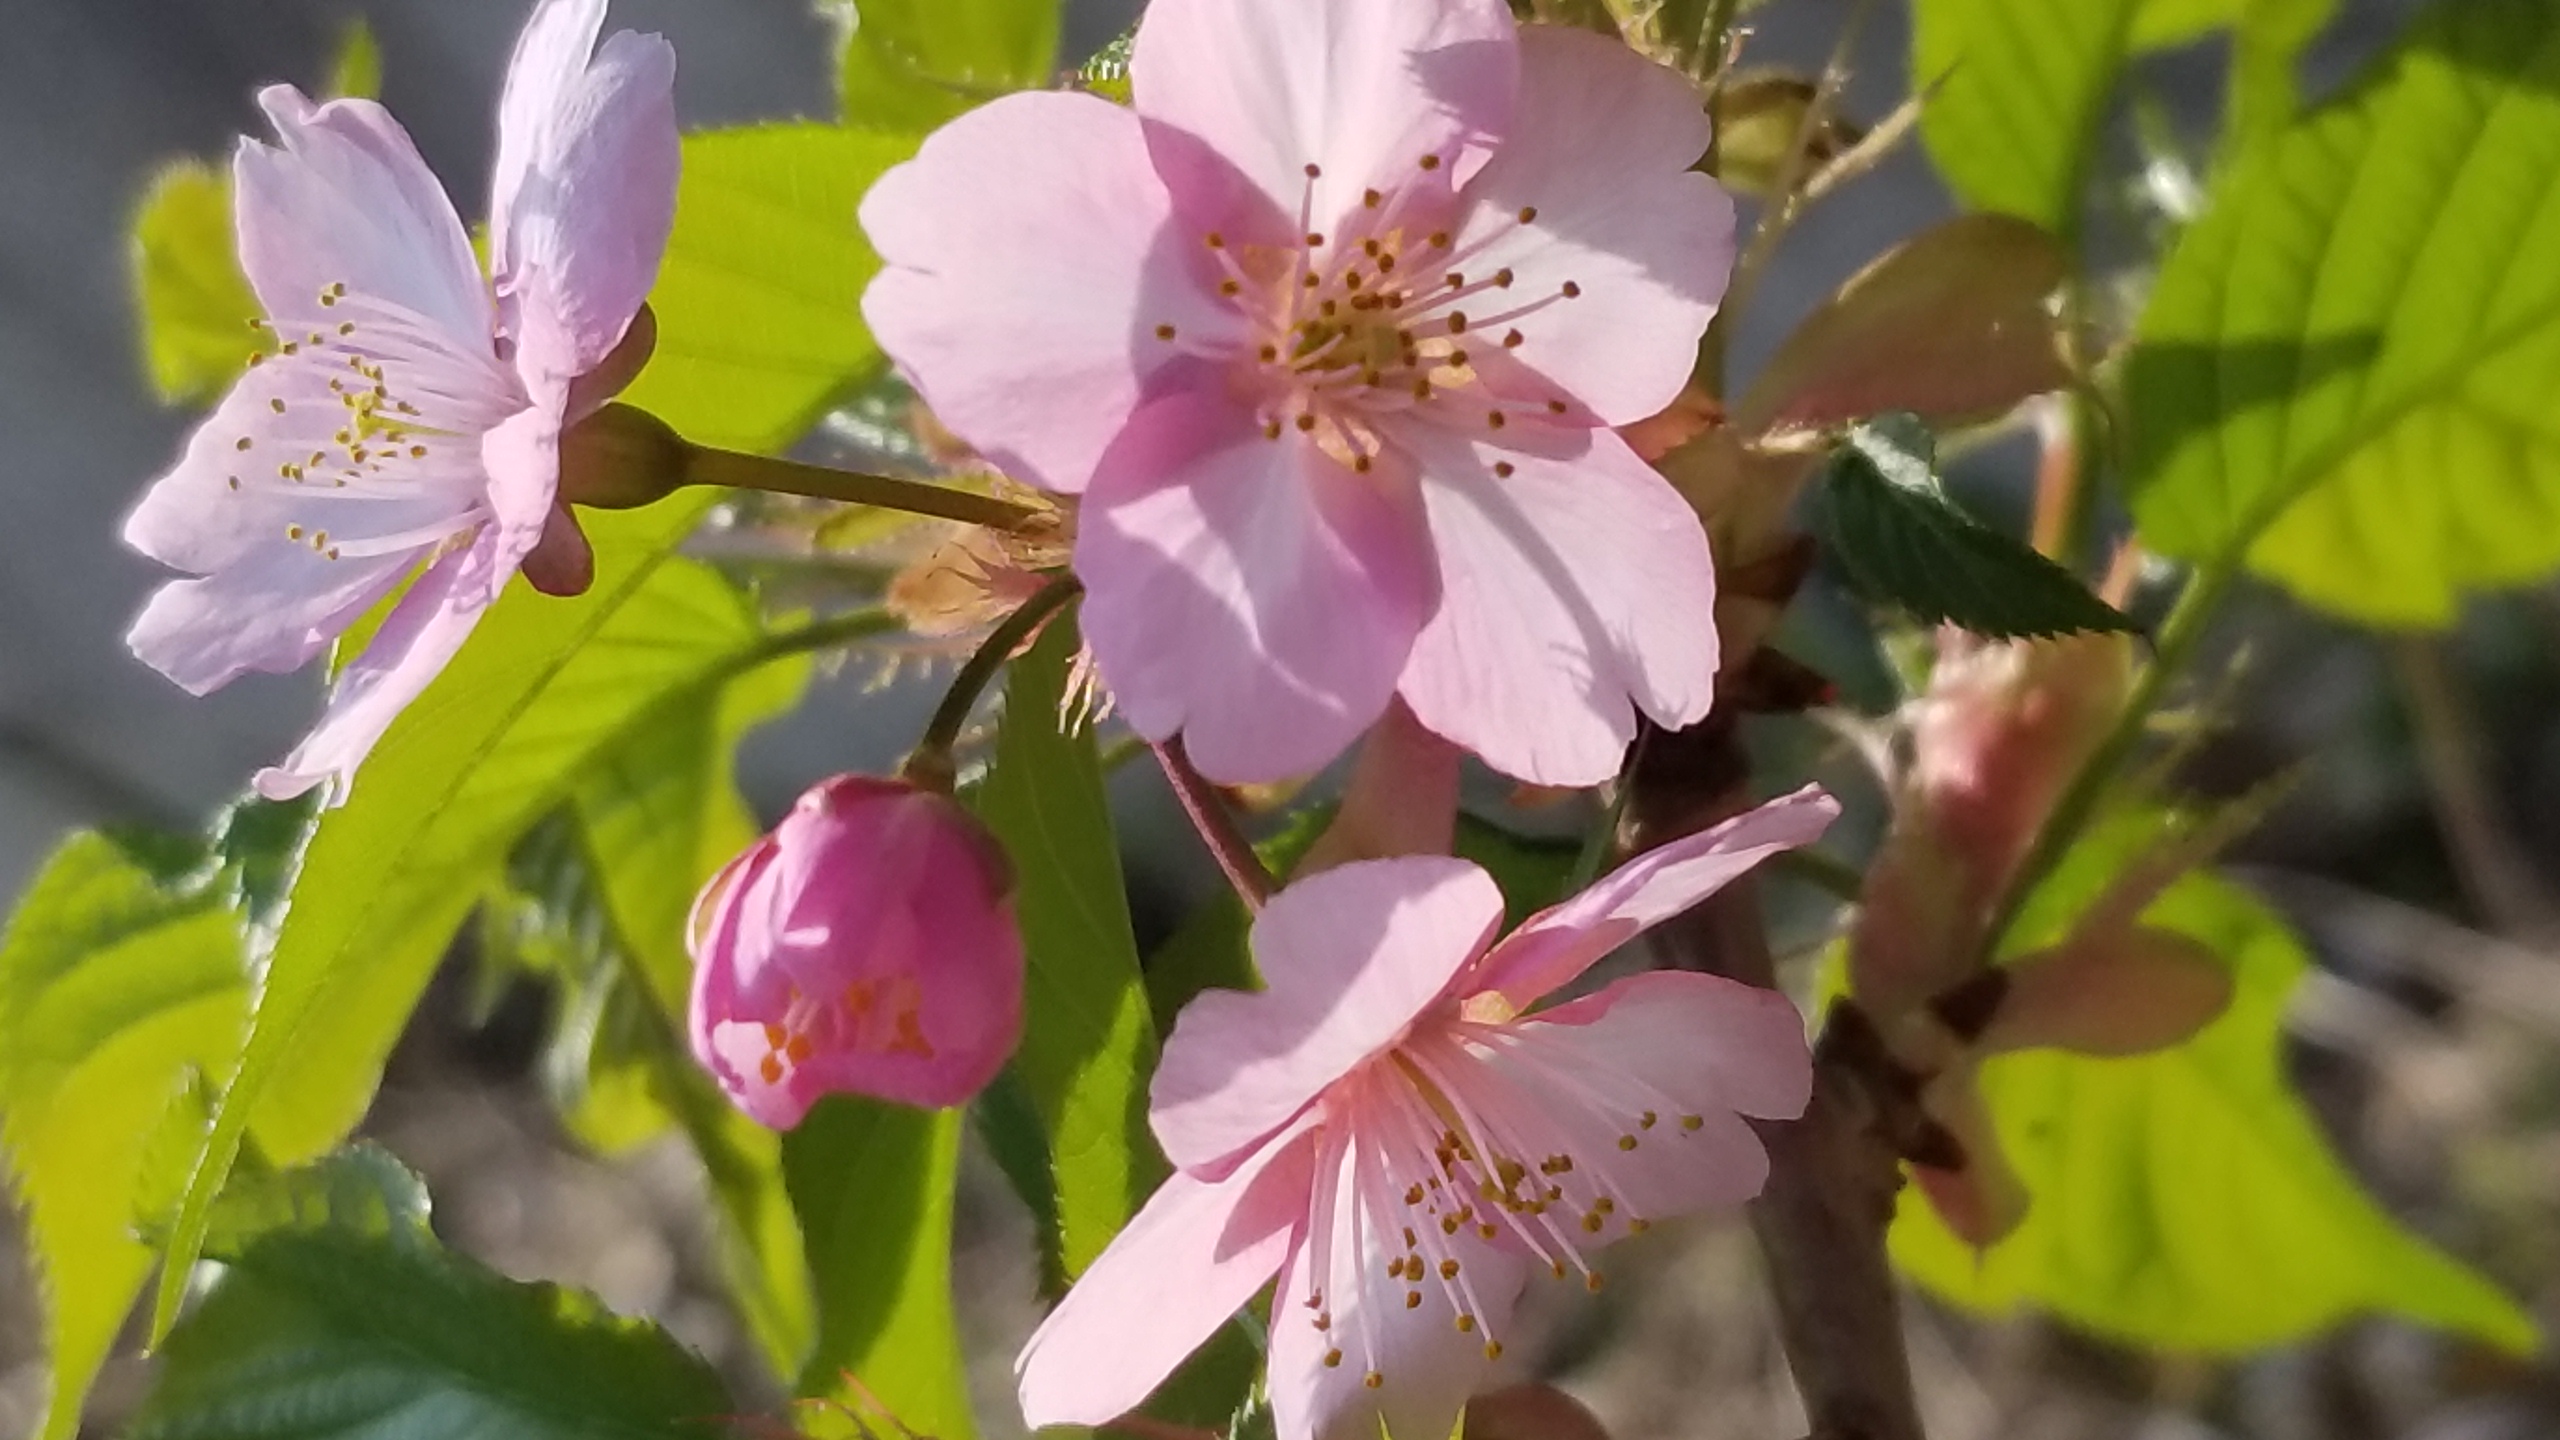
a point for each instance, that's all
(1329, 333)
(866, 946)
(1388, 1132)
(403, 423)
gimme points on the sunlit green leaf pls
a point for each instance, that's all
(759, 301)
(116, 981)
(912, 64)
(358, 69)
(493, 745)
(195, 303)
(660, 814)
(2346, 372)
(873, 1183)
(2187, 1199)
(318, 1334)
(2022, 86)
(1088, 1043)
(360, 1190)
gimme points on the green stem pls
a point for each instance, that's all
(930, 763)
(835, 630)
(740, 471)
(2174, 647)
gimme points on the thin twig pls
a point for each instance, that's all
(1209, 816)
(2493, 872)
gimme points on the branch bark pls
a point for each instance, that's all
(1833, 1174)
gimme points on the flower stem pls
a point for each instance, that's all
(817, 635)
(930, 763)
(1217, 828)
(740, 471)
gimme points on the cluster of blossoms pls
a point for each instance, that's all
(1324, 342)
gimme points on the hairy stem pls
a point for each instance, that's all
(930, 764)
(1217, 827)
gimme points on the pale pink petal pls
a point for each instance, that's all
(1558, 944)
(427, 627)
(1351, 956)
(2117, 992)
(1191, 1259)
(1711, 1041)
(1403, 1330)
(1256, 92)
(1027, 268)
(225, 501)
(1598, 156)
(1576, 589)
(271, 612)
(1252, 594)
(587, 189)
(347, 201)
(550, 60)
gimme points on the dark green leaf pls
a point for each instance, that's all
(873, 1183)
(330, 1333)
(2345, 375)
(1088, 1042)
(912, 64)
(1900, 541)
(362, 1190)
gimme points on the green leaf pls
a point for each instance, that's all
(1088, 1042)
(912, 64)
(493, 745)
(195, 303)
(660, 813)
(2186, 1199)
(759, 301)
(332, 1333)
(873, 1183)
(361, 1190)
(2344, 378)
(116, 982)
(358, 69)
(1899, 540)
(2023, 86)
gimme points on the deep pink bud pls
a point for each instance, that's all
(867, 946)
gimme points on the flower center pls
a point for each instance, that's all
(1386, 314)
(350, 387)
(876, 1017)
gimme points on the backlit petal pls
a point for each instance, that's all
(1190, 1260)
(1559, 943)
(1598, 156)
(1350, 957)
(1027, 268)
(1575, 588)
(1255, 595)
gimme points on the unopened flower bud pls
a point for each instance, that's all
(621, 458)
(867, 946)
(1999, 736)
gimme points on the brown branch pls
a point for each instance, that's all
(1209, 815)
(1833, 1174)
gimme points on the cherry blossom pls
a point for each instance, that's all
(400, 422)
(1390, 1130)
(1329, 332)
(866, 946)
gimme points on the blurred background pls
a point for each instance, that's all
(2416, 852)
